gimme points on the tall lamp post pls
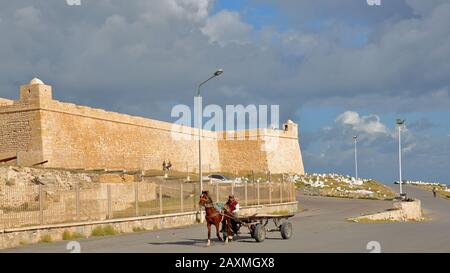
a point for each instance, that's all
(355, 138)
(217, 73)
(400, 124)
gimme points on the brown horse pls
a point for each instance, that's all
(213, 217)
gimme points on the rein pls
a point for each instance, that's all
(211, 205)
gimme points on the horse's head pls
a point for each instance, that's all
(204, 199)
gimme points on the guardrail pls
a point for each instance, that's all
(22, 206)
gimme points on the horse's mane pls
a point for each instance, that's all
(209, 199)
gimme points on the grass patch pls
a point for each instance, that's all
(170, 205)
(280, 212)
(104, 231)
(368, 220)
(138, 229)
(335, 188)
(26, 206)
(46, 238)
(441, 192)
(10, 182)
(67, 235)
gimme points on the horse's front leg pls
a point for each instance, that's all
(217, 224)
(209, 234)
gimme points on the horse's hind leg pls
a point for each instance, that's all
(218, 230)
(227, 221)
(229, 232)
(209, 234)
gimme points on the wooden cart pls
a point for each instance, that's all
(257, 225)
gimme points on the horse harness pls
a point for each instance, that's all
(211, 205)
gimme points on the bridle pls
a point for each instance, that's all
(205, 201)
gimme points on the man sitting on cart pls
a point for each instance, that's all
(233, 206)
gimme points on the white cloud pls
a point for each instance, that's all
(370, 124)
(421, 7)
(226, 27)
(28, 17)
(144, 56)
(196, 9)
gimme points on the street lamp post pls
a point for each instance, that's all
(355, 138)
(400, 124)
(217, 73)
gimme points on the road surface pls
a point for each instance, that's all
(321, 227)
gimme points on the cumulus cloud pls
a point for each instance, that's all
(424, 7)
(366, 124)
(143, 57)
(331, 149)
(141, 45)
(226, 27)
(28, 17)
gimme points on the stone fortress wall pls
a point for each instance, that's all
(37, 128)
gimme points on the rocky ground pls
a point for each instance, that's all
(335, 185)
(23, 176)
(63, 179)
(441, 189)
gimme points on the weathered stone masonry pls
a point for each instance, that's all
(37, 128)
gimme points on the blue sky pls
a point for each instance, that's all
(255, 13)
(338, 68)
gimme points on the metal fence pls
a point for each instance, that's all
(22, 206)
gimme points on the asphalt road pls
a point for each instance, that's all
(321, 227)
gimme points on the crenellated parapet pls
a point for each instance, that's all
(40, 129)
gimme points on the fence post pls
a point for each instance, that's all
(217, 192)
(289, 192)
(294, 192)
(232, 188)
(281, 193)
(160, 200)
(136, 198)
(188, 178)
(246, 199)
(182, 197)
(195, 196)
(77, 200)
(109, 214)
(270, 177)
(258, 192)
(253, 176)
(41, 206)
(270, 193)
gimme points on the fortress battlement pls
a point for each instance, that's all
(66, 135)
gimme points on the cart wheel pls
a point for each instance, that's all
(286, 230)
(259, 233)
(252, 232)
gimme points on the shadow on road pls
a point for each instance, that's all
(187, 242)
(202, 242)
